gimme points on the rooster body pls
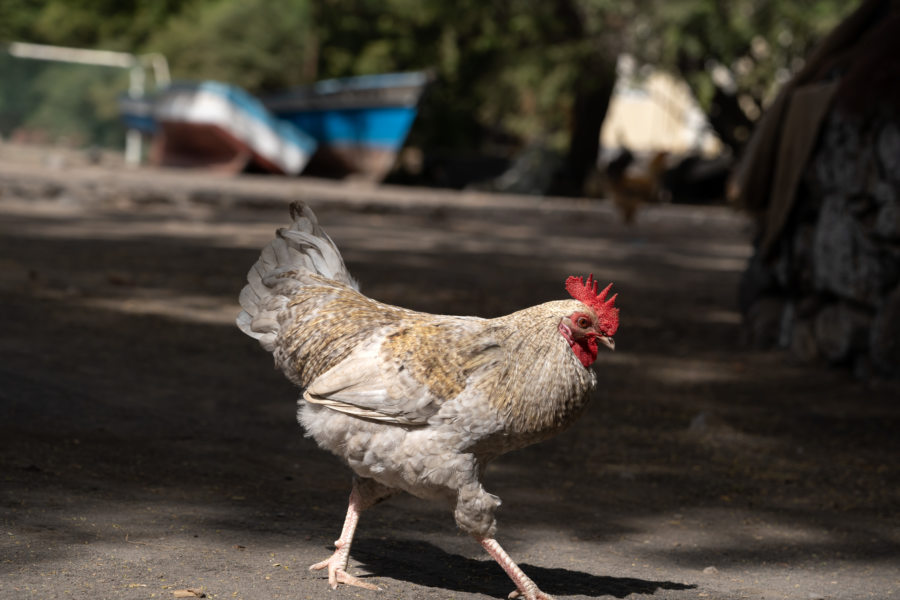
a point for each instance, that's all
(413, 401)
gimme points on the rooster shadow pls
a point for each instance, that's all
(427, 565)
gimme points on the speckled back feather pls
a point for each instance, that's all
(285, 265)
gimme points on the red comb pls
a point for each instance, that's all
(586, 293)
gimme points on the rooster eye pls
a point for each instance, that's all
(583, 322)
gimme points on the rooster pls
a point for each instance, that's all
(632, 185)
(413, 401)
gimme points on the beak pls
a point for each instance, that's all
(607, 341)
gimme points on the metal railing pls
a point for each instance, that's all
(137, 65)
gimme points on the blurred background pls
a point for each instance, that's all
(734, 168)
(787, 109)
(559, 82)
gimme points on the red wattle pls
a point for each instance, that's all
(586, 353)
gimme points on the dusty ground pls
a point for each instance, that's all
(147, 446)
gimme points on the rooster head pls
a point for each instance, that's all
(597, 323)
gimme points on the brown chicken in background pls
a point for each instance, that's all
(413, 401)
(631, 184)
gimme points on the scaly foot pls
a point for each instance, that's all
(525, 587)
(535, 594)
(337, 570)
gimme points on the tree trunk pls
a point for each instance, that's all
(729, 121)
(592, 95)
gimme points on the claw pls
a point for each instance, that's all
(525, 587)
(336, 573)
(337, 562)
(348, 579)
(319, 565)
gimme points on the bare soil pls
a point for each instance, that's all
(147, 446)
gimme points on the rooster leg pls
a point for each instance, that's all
(525, 587)
(337, 563)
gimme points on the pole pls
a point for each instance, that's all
(105, 58)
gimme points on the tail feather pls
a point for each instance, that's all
(298, 251)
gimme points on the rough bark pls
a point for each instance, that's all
(592, 97)
(884, 341)
(835, 272)
(841, 331)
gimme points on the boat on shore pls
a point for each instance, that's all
(353, 126)
(360, 123)
(220, 126)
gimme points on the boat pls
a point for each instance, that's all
(217, 125)
(360, 123)
(353, 126)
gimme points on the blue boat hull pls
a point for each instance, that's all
(362, 142)
(360, 123)
(376, 127)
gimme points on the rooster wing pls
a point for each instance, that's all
(410, 370)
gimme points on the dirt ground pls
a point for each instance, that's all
(147, 446)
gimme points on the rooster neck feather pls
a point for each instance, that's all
(548, 398)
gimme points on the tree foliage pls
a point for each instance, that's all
(261, 45)
(734, 55)
(508, 72)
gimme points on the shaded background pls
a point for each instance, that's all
(508, 74)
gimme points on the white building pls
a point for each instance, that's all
(653, 111)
